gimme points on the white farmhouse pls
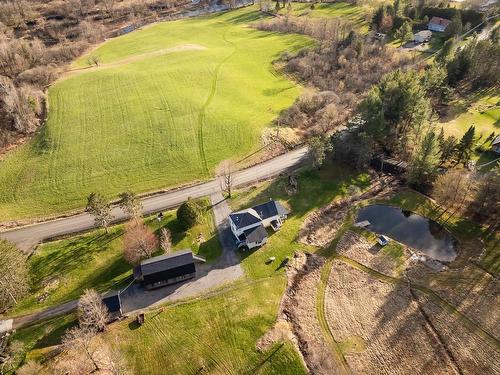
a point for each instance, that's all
(249, 226)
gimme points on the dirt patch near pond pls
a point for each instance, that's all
(357, 247)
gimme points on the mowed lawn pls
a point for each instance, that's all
(167, 104)
(345, 11)
(481, 110)
(61, 270)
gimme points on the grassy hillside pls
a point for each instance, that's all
(343, 10)
(165, 106)
(481, 110)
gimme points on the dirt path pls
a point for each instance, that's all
(203, 111)
(163, 51)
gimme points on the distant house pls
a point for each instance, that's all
(113, 303)
(166, 269)
(249, 226)
(422, 36)
(495, 145)
(438, 24)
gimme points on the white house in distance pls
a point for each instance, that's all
(438, 24)
(249, 226)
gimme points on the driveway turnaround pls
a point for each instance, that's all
(28, 236)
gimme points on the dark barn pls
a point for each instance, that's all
(112, 302)
(166, 269)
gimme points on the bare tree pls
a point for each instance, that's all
(131, 204)
(98, 207)
(13, 275)
(94, 60)
(225, 173)
(166, 240)
(139, 242)
(92, 313)
(79, 340)
(452, 189)
(22, 105)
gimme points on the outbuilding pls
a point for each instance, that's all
(495, 145)
(113, 303)
(422, 36)
(166, 269)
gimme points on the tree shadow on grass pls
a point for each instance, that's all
(69, 256)
(54, 337)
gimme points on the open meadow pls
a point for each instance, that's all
(165, 106)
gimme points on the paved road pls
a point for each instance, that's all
(135, 297)
(27, 237)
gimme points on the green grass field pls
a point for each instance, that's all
(215, 335)
(481, 110)
(343, 10)
(168, 103)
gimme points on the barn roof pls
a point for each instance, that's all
(112, 301)
(166, 262)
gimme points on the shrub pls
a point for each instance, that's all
(188, 214)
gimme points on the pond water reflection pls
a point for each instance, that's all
(411, 229)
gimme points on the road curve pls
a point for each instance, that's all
(28, 236)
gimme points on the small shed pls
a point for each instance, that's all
(166, 269)
(495, 145)
(422, 36)
(438, 24)
(113, 303)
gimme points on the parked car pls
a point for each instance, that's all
(383, 240)
(379, 36)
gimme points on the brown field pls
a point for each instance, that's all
(387, 329)
(299, 308)
(474, 292)
(472, 354)
(392, 335)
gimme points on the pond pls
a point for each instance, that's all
(411, 229)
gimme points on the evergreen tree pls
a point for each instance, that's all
(405, 32)
(446, 52)
(455, 27)
(448, 148)
(465, 146)
(423, 165)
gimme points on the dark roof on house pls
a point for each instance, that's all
(439, 21)
(270, 209)
(256, 234)
(166, 262)
(112, 301)
(243, 219)
(496, 141)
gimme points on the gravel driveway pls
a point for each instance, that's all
(208, 276)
